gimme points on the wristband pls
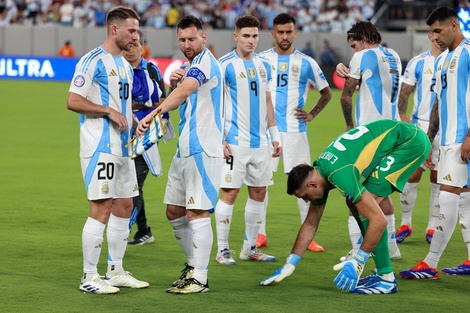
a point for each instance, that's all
(293, 259)
(361, 256)
(274, 133)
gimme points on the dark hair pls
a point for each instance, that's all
(120, 13)
(283, 18)
(297, 176)
(247, 21)
(441, 14)
(364, 30)
(188, 21)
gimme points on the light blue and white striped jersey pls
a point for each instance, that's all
(379, 70)
(104, 80)
(246, 84)
(452, 70)
(201, 124)
(292, 74)
(419, 73)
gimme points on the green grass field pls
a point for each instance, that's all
(44, 207)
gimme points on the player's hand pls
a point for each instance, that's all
(284, 271)
(465, 150)
(342, 70)
(429, 163)
(118, 119)
(351, 272)
(176, 76)
(145, 122)
(302, 115)
(277, 149)
(227, 151)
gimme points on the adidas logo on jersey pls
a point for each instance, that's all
(225, 221)
(113, 73)
(242, 75)
(447, 177)
(428, 71)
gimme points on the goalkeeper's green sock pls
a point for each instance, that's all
(380, 254)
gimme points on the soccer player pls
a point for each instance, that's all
(372, 65)
(194, 175)
(250, 115)
(450, 115)
(366, 164)
(293, 73)
(147, 93)
(101, 92)
(418, 78)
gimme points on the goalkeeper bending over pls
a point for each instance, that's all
(366, 164)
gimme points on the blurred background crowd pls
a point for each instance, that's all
(334, 16)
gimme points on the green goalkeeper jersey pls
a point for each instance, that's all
(376, 154)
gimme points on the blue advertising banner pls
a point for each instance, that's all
(37, 68)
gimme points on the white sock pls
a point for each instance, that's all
(433, 206)
(202, 246)
(354, 233)
(184, 236)
(408, 200)
(117, 233)
(449, 207)
(92, 239)
(303, 209)
(262, 226)
(464, 213)
(392, 240)
(223, 219)
(253, 212)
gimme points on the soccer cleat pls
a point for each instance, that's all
(98, 286)
(462, 269)
(429, 235)
(256, 255)
(142, 237)
(225, 257)
(261, 241)
(403, 232)
(375, 285)
(187, 273)
(315, 247)
(420, 271)
(126, 280)
(366, 279)
(190, 285)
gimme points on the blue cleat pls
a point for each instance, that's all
(403, 232)
(376, 285)
(420, 271)
(462, 269)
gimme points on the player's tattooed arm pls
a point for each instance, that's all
(405, 92)
(346, 101)
(434, 121)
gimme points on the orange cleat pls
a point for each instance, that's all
(261, 241)
(315, 247)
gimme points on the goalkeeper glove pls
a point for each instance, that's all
(284, 271)
(349, 276)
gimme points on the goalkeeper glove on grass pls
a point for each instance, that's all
(349, 276)
(284, 271)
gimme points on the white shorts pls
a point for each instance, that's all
(249, 166)
(109, 176)
(451, 170)
(295, 151)
(194, 182)
(435, 146)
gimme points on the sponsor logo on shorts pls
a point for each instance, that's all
(191, 200)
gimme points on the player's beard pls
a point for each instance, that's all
(285, 45)
(191, 53)
(127, 46)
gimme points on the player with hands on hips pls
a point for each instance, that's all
(365, 164)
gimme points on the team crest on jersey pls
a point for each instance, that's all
(262, 72)
(105, 188)
(295, 69)
(453, 63)
(446, 65)
(79, 81)
(283, 66)
(251, 72)
(122, 72)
